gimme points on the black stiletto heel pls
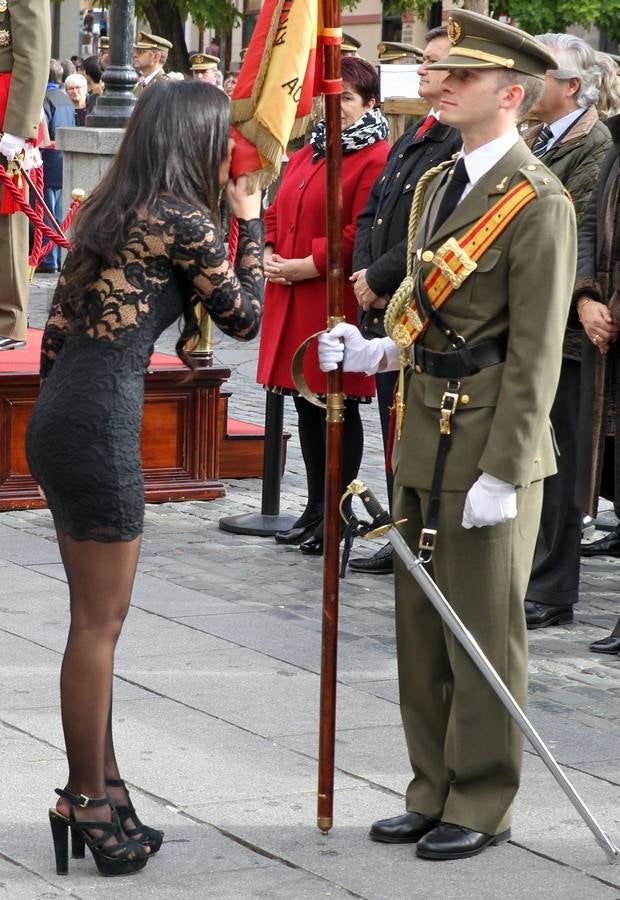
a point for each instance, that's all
(151, 838)
(117, 857)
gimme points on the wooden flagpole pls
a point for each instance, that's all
(335, 416)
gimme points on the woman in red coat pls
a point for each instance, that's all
(296, 291)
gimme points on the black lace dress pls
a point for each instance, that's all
(83, 439)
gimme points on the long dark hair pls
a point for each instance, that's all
(174, 144)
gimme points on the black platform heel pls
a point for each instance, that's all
(118, 857)
(151, 838)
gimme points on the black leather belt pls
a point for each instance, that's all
(458, 363)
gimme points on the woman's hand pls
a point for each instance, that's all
(243, 205)
(285, 271)
(597, 322)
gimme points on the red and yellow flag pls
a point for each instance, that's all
(279, 77)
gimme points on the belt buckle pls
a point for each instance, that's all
(428, 537)
(449, 402)
(456, 279)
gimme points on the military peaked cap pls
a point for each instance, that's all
(350, 44)
(146, 41)
(391, 50)
(479, 42)
(202, 61)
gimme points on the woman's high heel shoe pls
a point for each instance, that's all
(150, 838)
(113, 854)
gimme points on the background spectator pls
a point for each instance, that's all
(77, 88)
(94, 80)
(295, 298)
(59, 113)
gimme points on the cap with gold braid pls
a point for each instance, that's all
(200, 62)
(349, 44)
(104, 42)
(391, 51)
(479, 42)
(146, 41)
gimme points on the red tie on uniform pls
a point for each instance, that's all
(428, 122)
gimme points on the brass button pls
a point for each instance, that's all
(427, 256)
(383, 179)
(400, 155)
(375, 321)
(379, 221)
(418, 367)
(465, 398)
(398, 174)
(407, 186)
(531, 168)
(538, 459)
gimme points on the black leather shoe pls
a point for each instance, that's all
(456, 842)
(537, 615)
(405, 829)
(380, 563)
(609, 644)
(312, 547)
(606, 546)
(296, 535)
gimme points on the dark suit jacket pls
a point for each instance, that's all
(381, 235)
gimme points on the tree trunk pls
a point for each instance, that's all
(165, 20)
(479, 6)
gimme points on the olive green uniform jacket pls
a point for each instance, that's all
(27, 56)
(465, 751)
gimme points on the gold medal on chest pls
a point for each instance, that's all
(5, 37)
(4, 5)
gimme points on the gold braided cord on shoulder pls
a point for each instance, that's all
(402, 296)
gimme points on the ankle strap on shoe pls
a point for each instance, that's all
(114, 782)
(81, 799)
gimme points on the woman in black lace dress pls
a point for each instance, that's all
(146, 248)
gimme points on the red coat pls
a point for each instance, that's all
(296, 225)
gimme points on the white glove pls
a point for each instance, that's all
(32, 158)
(489, 502)
(10, 145)
(359, 354)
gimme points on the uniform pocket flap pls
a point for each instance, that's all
(479, 390)
(488, 259)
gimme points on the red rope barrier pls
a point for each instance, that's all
(233, 240)
(35, 216)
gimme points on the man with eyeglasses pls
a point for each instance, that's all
(150, 53)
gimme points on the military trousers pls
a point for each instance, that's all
(14, 286)
(465, 750)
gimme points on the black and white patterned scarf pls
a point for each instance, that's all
(368, 129)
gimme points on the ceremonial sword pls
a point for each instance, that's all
(382, 524)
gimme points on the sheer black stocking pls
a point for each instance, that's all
(100, 577)
(312, 437)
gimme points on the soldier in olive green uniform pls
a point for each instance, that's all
(497, 348)
(150, 53)
(24, 67)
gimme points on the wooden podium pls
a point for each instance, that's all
(180, 436)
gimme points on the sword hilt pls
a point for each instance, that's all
(381, 521)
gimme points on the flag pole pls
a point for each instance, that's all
(329, 42)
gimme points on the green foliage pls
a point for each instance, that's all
(538, 16)
(221, 15)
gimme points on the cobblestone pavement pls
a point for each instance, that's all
(216, 713)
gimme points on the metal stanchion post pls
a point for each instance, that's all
(269, 520)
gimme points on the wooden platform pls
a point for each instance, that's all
(188, 441)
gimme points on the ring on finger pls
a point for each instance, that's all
(596, 338)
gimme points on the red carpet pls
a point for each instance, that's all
(26, 359)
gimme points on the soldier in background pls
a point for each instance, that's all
(349, 45)
(150, 53)
(25, 45)
(204, 67)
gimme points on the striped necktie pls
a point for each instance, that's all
(545, 135)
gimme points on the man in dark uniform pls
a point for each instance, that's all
(24, 61)
(482, 336)
(379, 257)
(150, 53)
